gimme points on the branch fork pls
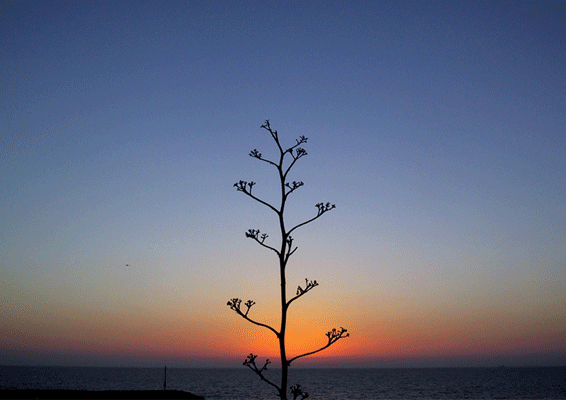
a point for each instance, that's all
(250, 363)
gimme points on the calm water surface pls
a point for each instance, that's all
(328, 384)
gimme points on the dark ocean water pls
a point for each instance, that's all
(328, 384)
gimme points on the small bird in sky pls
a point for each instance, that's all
(127, 265)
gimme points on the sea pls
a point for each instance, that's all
(320, 383)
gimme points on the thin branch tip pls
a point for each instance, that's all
(251, 364)
(255, 153)
(244, 186)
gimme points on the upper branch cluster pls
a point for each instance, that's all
(256, 154)
(273, 132)
(299, 152)
(235, 304)
(254, 234)
(295, 151)
(335, 334)
(244, 186)
(301, 291)
(293, 186)
(308, 286)
(322, 208)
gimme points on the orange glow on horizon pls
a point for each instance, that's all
(229, 337)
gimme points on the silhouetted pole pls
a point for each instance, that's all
(165, 381)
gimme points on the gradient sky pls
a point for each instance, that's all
(436, 127)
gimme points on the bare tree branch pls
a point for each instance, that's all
(246, 188)
(256, 154)
(296, 391)
(250, 363)
(300, 291)
(322, 208)
(273, 133)
(290, 249)
(300, 152)
(333, 336)
(292, 187)
(254, 234)
(235, 304)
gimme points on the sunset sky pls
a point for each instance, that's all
(438, 128)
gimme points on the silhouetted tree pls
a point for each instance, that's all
(284, 251)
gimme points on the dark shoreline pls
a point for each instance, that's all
(95, 394)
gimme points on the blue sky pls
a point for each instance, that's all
(436, 127)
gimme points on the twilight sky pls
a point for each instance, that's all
(436, 127)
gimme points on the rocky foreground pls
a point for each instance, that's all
(96, 394)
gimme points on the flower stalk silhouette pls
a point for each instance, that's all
(284, 251)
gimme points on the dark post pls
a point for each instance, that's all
(165, 381)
